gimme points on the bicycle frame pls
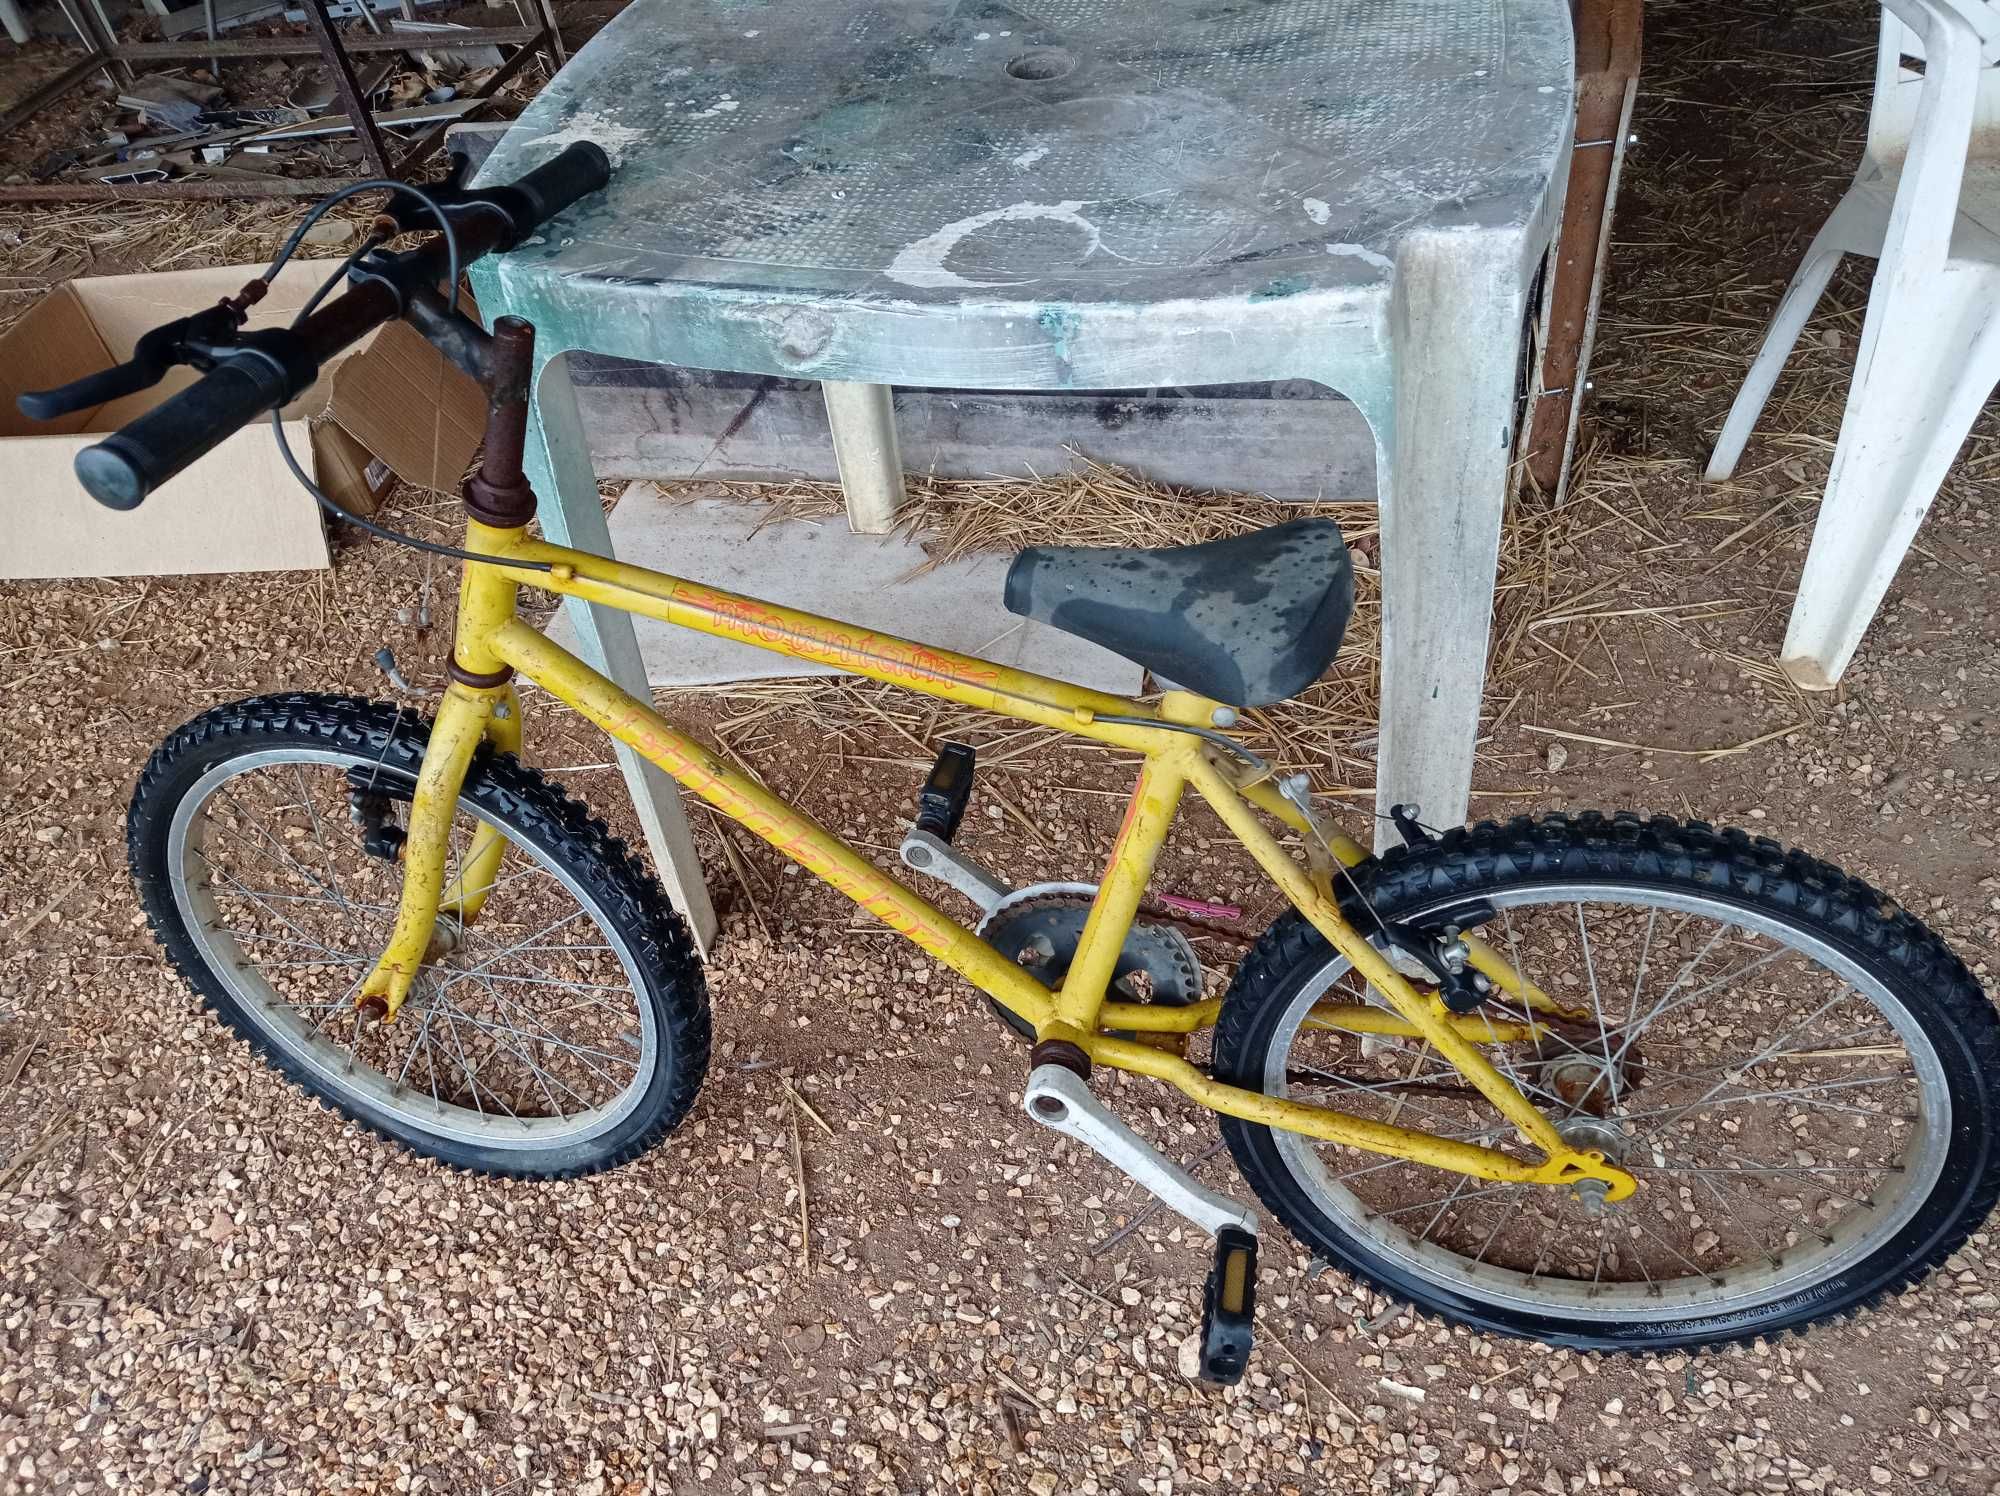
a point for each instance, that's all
(493, 644)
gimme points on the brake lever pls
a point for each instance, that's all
(199, 340)
(154, 354)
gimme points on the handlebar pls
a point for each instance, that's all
(259, 372)
(142, 454)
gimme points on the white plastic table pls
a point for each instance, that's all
(1073, 195)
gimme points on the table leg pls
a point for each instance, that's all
(558, 464)
(1456, 322)
(10, 17)
(863, 418)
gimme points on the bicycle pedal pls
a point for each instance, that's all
(1229, 1308)
(947, 791)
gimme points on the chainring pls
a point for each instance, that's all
(1038, 929)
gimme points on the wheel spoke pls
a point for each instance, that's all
(1726, 980)
(1639, 981)
(1801, 1094)
(527, 1028)
(284, 853)
(1596, 1000)
(1378, 1088)
(325, 852)
(1666, 998)
(1755, 1100)
(499, 1036)
(547, 1036)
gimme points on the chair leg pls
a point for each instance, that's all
(1801, 296)
(1457, 324)
(1925, 374)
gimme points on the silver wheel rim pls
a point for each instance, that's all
(1877, 1217)
(332, 1065)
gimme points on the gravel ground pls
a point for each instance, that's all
(206, 1284)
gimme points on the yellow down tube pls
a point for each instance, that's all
(795, 834)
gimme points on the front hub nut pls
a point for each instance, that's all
(1605, 1139)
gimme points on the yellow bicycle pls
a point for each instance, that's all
(1609, 1081)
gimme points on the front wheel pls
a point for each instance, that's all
(563, 1030)
(1800, 1076)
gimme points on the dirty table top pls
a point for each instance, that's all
(1123, 149)
(1057, 157)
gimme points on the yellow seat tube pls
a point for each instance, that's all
(1147, 819)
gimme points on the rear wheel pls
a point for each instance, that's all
(1799, 1076)
(562, 1031)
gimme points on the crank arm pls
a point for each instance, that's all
(1059, 1100)
(937, 858)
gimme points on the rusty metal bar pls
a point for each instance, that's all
(1607, 65)
(307, 46)
(434, 137)
(52, 90)
(558, 52)
(348, 88)
(98, 192)
(529, 41)
(107, 37)
(79, 22)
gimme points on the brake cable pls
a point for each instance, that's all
(369, 243)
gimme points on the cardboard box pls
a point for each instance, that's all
(394, 398)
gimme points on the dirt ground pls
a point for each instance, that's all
(208, 1285)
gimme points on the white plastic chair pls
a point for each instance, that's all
(1926, 204)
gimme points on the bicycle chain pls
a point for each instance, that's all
(1158, 914)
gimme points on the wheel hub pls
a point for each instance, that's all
(1594, 1135)
(1588, 1083)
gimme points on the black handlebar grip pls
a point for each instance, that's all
(576, 171)
(129, 464)
(86, 393)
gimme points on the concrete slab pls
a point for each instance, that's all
(820, 565)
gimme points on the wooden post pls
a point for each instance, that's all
(1607, 68)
